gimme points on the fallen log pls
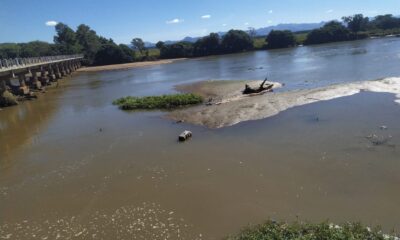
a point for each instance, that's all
(185, 136)
(262, 88)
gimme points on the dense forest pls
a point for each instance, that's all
(102, 51)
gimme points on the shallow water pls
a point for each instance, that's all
(73, 166)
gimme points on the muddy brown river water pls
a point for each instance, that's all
(73, 166)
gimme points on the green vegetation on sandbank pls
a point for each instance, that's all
(307, 231)
(158, 102)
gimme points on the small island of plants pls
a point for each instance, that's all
(307, 231)
(158, 102)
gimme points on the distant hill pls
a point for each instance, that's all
(294, 27)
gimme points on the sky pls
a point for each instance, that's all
(153, 20)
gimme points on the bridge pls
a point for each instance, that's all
(34, 73)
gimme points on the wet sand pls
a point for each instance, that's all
(128, 65)
(229, 106)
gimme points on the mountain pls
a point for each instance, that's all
(190, 39)
(294, 27)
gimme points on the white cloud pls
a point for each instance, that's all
(269, 21)
(246, 24)
(174, 21)
(208, 16)
(330, 11)
(224, 25)
(270, 11)
(51, 23)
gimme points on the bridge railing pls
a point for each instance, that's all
(24, 62)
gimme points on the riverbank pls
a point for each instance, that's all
(128, 65)
(229, 106)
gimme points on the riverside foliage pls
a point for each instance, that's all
(158, 102)
(306, 231)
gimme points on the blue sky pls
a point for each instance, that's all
(153, 20)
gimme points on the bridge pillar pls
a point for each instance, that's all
(63, 70)
(52, 76)
(57, 71)
(67, 68)
(35, 83)
(72, 66)
(43, 77)
(23, 88)
(3, 86)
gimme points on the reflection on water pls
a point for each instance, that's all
(317, 162)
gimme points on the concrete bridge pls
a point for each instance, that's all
(34, 73)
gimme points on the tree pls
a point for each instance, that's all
(331, 32)
(280, 39)
(111, 54)
(252, 32)
(36, 49)
(128, 53)
(9, 50)
(66, 39)
(236, 41)
(138, 44)
(356, 23)
(89, 41)
(209, 45)
(160, 44)
(386, 22)
(177, 50)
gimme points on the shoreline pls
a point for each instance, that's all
(125, 66)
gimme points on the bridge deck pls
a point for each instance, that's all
(7, 65)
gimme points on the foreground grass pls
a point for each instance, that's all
(305, 231)
(158, 102)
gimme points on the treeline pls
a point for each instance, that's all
(232, 42)
(102, 51)
(352, 28)
(97, 49)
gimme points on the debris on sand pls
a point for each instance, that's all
(261, 89)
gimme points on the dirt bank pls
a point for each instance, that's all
(127, 65)
(229, 107)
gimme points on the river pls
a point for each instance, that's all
(73, 166)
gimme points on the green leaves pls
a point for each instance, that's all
(280, 39)
(158, 102)
(307, 231)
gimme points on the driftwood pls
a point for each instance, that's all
(185, 136)
(261, 88)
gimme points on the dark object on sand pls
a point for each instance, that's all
(185, 136)
(262, 88)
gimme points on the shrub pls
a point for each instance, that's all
(158, 102)
(280, 39)
(306, 231)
